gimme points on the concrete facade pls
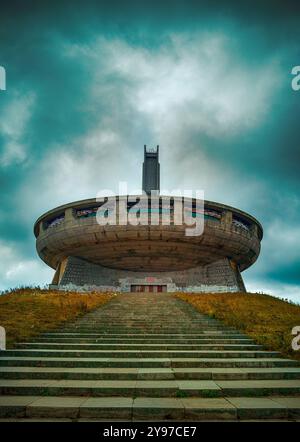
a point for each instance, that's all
(88, 255)
(222, 275)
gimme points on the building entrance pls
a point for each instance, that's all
(148, 288)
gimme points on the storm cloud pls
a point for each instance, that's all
(89, 85)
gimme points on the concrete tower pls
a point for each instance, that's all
(151, 178)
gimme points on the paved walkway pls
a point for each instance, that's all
(147, 357)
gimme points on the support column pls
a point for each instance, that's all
(41, 228)
(239, 278)
(55, 279)
(69, 215)
(226, 218)
(60, 270)
(254, 230)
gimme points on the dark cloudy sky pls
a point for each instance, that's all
(89, 83)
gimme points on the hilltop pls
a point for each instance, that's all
(266, 319)
(26, 312)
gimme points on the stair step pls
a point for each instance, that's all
(169, 388)
(143, 353)
(147, 358)
(146, 362)
(148, 335)
(147, 408)
(124, 341)
(120, 346)
(148, 330)
(161, 388)
(148, 373)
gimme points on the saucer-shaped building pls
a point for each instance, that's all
(147, 256)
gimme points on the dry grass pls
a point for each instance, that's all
(266, 319)
(27, 312)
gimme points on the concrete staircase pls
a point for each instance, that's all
(147, 357)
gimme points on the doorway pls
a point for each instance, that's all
(148, 288)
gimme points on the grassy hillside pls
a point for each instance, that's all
(27, 312)
(266, 319)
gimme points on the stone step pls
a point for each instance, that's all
(146, 362)
(152, 388)
(143, 330)
(241, 373)
(151, 336)
(142, 353)
(145, 322)
(149, 408)
(162, 323)
(149, 373)
(156, 341)
(144, 346)
(151, 358)
(251, 388)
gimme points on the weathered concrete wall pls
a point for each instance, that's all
(221, 275)
(147, 247)
(116, 256)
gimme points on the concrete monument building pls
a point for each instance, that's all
(146, 255)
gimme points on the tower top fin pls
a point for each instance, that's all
(151, 170)
(151, 149)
